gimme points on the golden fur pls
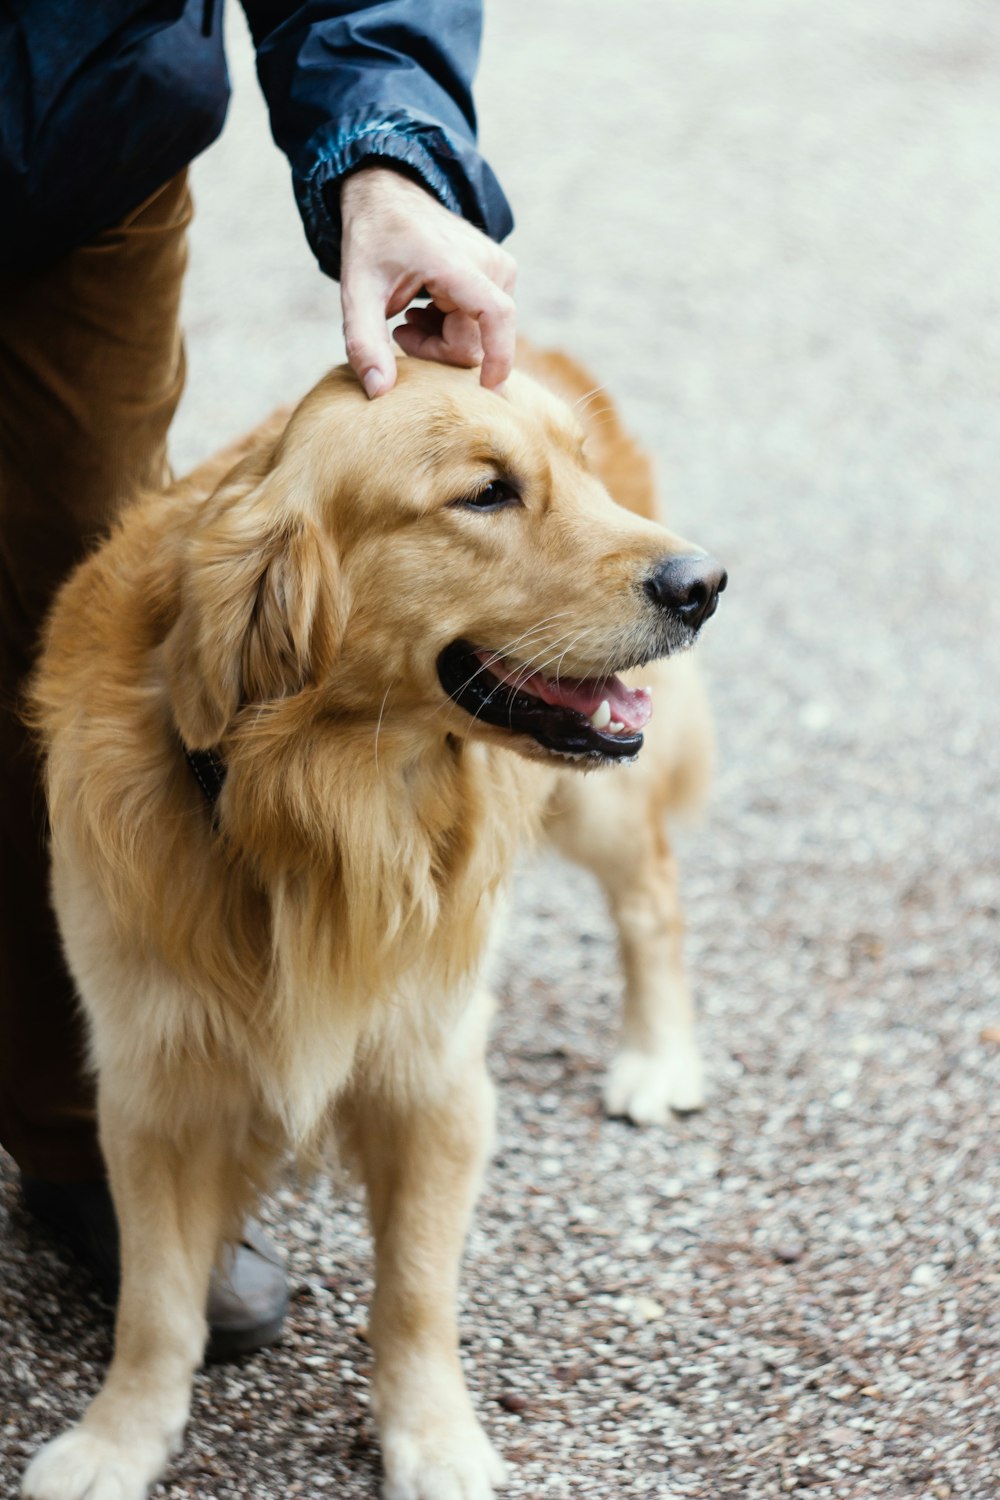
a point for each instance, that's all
(315, 958)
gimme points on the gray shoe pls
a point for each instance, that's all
(247, 1296)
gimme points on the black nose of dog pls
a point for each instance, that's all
(689, 587)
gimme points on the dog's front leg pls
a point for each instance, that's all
(170, 1199)
(421, 1159)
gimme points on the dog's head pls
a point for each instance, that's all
(442, 557)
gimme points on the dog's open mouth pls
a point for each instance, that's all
(581, 718)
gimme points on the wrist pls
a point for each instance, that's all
(375, 185)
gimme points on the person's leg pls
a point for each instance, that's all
(91, 370)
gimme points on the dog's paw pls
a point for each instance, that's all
(644, 1087)
(454, 1462)
(82, 1465)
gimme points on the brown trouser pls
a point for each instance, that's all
(91, 370)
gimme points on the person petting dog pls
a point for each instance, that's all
(372, 105)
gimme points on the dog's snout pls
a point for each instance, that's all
(688, 586)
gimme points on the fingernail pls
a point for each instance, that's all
(373, 380)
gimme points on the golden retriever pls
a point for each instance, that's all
(394, 624)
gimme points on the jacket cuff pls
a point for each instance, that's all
(452, 171)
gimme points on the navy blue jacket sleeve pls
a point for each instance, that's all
(353, 83)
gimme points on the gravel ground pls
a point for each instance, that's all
(773, 231)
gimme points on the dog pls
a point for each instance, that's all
(300, 712)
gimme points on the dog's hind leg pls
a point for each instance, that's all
(421, 1151)
(614, 826)
(171, 1199)
(657, 1066)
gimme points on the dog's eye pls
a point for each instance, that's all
(493, 496)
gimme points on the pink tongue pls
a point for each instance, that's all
(631, 707)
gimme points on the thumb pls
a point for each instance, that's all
(369, 351)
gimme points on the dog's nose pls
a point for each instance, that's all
(688, 586)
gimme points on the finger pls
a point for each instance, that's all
(478, 297)
(454, 334)
(499, 338)
(506, 276)
(421, 345)
(428, 319)
(366, 335)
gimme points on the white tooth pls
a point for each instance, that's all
(601, 717)
(614, 727)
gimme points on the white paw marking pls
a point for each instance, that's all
(454, 1462)
(81, 1465)
(644, 1087)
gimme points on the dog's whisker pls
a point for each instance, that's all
(606, 669)
(536, 664)
(560, 656)
(596, 423)
(530, 667)
(525, 671)
(540, 667)
(521, 675)
(583, 634)
(503, 651)
(378, 726)
(580, 404)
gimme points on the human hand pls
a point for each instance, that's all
(398, 241)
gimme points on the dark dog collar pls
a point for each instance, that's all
(209, 772)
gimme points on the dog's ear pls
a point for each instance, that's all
(258, 611)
